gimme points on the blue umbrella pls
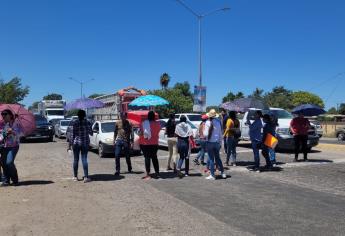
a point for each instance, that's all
(149, 101)
(308, 110)
(84, 103)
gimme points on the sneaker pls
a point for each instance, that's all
(87, 179)
(156, 176)
(147, 177)
(224, 176)
(75, 179)
(117, 173)
(4, 184)
(210, 177)
(233, 164)
(186, 175)
(256, 169)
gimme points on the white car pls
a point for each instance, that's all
(194, 118)
(102, 138)
(163, 139)
(61, 128)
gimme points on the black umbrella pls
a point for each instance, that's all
(308, 110)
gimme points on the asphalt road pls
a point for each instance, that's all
(303, 198)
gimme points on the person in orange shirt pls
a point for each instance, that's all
(148, 140)
(299, 127)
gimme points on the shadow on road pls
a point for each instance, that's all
(35, 182)
(105, 177)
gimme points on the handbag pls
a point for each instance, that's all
(271, 141)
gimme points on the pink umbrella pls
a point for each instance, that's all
(24, 117)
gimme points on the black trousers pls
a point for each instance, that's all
(301, 140)
(150, 153)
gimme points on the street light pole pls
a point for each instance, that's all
(200, 17)
(81, 84)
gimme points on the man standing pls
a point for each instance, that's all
(299, 127)
(213, 134)
(255, 135)
(123, 137)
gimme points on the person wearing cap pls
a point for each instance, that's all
(202, 142)
(214, 137)
(299, 127)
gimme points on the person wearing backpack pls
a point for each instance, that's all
(232, 134)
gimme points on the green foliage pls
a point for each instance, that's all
(96, 95)
(231, 96)
(342, 109)
(303, 97)
(12, 91)
(34, 106)
(180, 99)
(332, 110)
(257, 93)
(279, 97)
(164, 80)
(72, 112)
(53, 96)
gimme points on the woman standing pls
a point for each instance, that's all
(10, 136)
(172, 141)
(267, 129)
(231, 134)
(183, 132)
(80, 141)
(202, 141)
(148, 139)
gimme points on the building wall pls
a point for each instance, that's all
(329, 128)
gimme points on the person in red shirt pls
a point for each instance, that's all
(299, 127)
(148, 140)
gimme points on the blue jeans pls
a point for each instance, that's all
(183, 149)
(272, 154)
(119, 146)
(265, 153)
(256, 153)
(203, 150)
(83, 151)
(214, 156)
(7, 160)
(231, 152)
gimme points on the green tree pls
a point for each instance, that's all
(230, 96)
(53, 96)
(257, 93)
(164, 80)
(13, 91)
(179, 97)
(304, 97)
(34, 106)
(279, 97)
(96, 95)
(332, 110)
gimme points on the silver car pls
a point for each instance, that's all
(61, 128)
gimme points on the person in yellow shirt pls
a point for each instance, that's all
(232, 134)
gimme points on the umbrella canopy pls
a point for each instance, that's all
(83, 103)
(149, 101)
(243, 104)
(24, 117)
(308, 110)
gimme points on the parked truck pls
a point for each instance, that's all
(52, 109)
(285, 138)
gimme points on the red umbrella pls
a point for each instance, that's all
(24, 117)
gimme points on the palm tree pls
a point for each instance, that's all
(164, 80)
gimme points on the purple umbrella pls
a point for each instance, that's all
(84, 103)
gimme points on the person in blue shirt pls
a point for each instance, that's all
(255, 135)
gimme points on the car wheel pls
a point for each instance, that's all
(100, 150)
(340, 136)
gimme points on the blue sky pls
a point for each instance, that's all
(299, 44)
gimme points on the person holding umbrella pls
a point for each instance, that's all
(299, 127)
(80, 141)
(10, 133)
(148, 139)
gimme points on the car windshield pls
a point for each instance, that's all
(40, 120)
(195, 117)
(108, 127)
(65, 123)
(281, 114)
(55, 112)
